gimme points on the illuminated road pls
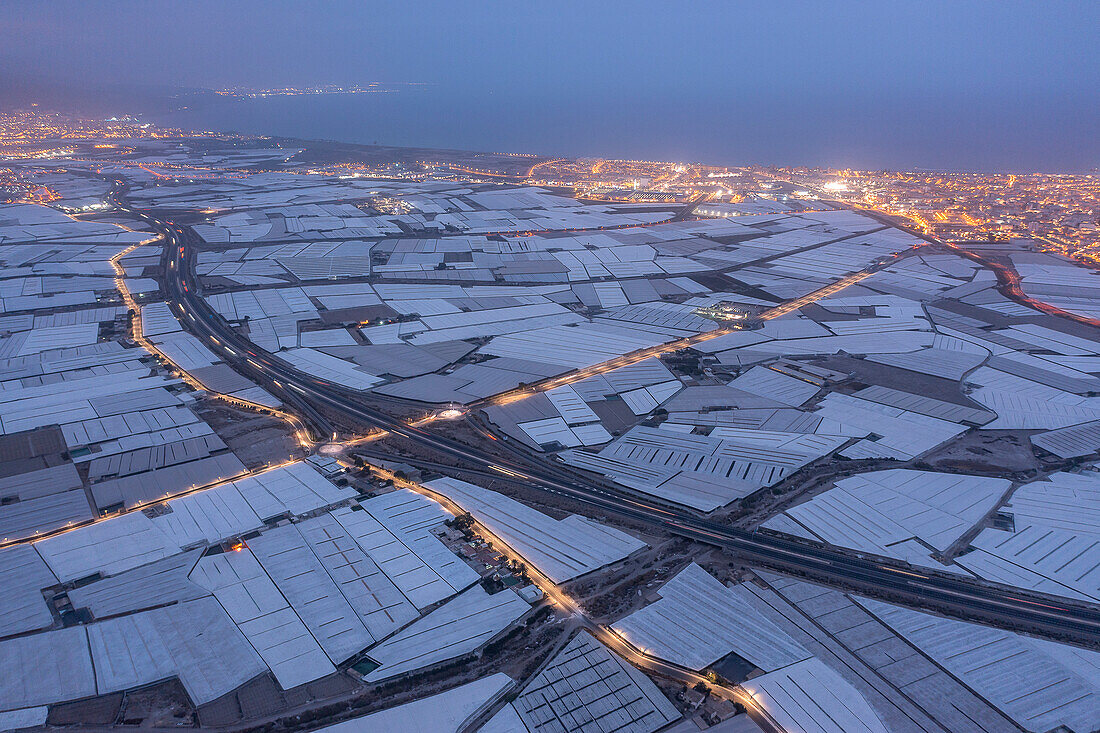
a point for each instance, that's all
(197, 314)
(139, 338)
(641, 355)
(1010, 285)
(566, 603)
(536, 166)
(893, 581)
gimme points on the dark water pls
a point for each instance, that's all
(867, 131)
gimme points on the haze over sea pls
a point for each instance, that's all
(992, 134)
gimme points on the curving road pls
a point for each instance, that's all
(312, 396)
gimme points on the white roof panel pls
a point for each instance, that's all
(410, 517)
(809, 696)
(329, 367)
(1040, 684)
(769, 383)
(413, 576)
(109, 546)
(208, 517)
(294, 489)
(699, 620)
(313, 595)
(570, 406)
(446, 712)
(50, 667)
(458, 627)
(23, 575)
(561, 549)
(586, 681)
(873, 511)
(379, 604)
(263, 615)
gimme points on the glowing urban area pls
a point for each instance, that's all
(304, 435)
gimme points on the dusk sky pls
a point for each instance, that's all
(1026, 71)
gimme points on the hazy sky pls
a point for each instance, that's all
(729, 46)
(1035, 61)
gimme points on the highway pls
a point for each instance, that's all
(314, 397)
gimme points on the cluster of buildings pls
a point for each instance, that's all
(1060, 211)
(35, 134)
(253, 93)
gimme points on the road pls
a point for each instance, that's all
(1010, 284)
(312, 396)
(668, 347)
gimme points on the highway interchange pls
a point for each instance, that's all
(313, 398)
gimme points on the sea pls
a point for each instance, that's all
(867, 132)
